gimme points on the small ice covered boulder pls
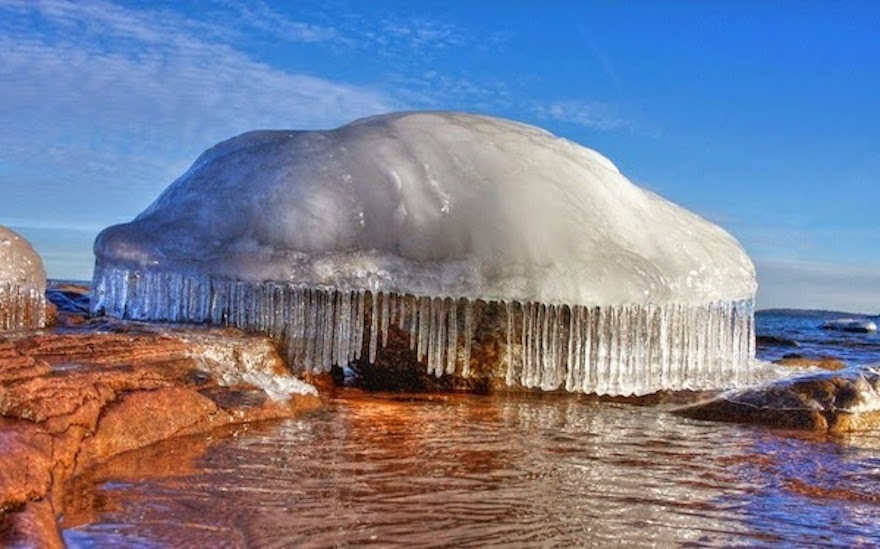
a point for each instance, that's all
(324, 238)
(839, 401)
(22, 283)
(857, 325)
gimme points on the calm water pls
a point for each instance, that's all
(804, 327)
(518, 470)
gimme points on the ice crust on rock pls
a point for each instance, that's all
(22, 283)
(325, 238)
(253, 363)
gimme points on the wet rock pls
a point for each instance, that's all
(69, 399)
(837, 402)
(801, 361)
(35, 525)
(397, 368)
(767, 341)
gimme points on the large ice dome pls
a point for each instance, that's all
(410, 218)
(22, 283)
(439, 204)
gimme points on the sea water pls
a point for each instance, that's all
(501, 470)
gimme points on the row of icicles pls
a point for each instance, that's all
(21, 307)
(626, 349)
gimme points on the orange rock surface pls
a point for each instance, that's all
(76, 396)
(823, 362)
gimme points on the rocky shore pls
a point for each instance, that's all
(85, 390)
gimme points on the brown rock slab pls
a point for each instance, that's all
(71, 398)
(36, 525)
(835, 401)
(25, 462)
(823, 362)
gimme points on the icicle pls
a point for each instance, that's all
(467, 336)
(424, 308)
(589, 382)
(440, 342)
(572, 363)
(622, 349)
(358, 340)
(374, 325)
(328, 331)
(384, 318)
(410, 313)
(21, 307)
(401, 321)
(551, 340)
(510, 375)
(452, 337)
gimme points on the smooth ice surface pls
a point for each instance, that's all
(436, 204)
(22, 283)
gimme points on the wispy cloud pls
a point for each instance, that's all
(410, 39)
(120, 101)
(262, 17)
(103, 106)
(590, 114)
(604, 61)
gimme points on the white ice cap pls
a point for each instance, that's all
(431, 203)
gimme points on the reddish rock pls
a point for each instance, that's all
(70, 399)
(25, 462)
(36, 525)
(837, 402)
(823, 362)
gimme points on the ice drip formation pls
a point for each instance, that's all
(22, 283)
(328, 240)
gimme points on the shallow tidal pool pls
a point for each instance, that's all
(464, 470)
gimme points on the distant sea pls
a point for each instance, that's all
(800, 332)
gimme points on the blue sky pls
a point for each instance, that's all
(760, 116)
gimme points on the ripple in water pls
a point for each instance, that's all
(474, 471)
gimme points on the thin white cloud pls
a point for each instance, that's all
(405, 39)
(120, 101)
(103, 106)
(590, 114)
(260, 16)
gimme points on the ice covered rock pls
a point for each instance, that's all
(22, 283)
(840, 401)
(324, 239)
(858, 325)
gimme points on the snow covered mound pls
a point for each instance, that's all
(22, 283)
(325, 238)
(439, 204)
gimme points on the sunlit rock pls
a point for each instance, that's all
(72, 398)
(421, 222)
(837, 401)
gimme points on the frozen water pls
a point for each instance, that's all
(22, 283)
(431, 204)
(328, 239)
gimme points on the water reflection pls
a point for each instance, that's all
(493, 470)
